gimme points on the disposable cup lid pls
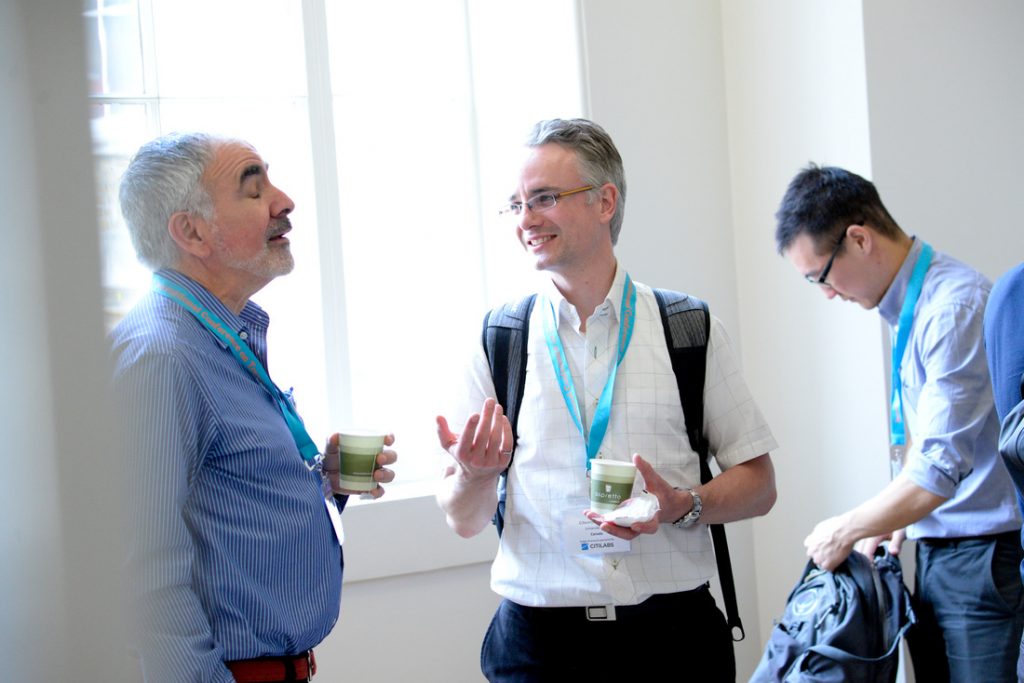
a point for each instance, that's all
(612, 464)
(364, 436)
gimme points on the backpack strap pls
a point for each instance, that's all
(505, 333)
(687, 324)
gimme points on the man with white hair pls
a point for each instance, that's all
(235, 538)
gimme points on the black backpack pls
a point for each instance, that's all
(842, 626)
(687, 326)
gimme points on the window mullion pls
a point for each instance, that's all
(147, 48)
(328, 211)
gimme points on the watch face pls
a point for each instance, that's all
(693, 515)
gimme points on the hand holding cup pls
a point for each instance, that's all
(356, 461)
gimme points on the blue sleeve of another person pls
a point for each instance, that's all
(1004, 346)
(1004, 338)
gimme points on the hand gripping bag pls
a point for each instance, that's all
(842, 626)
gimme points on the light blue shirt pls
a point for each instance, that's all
(232, 554)
(947, 400)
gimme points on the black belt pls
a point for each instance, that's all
(955, 540)
(656, 604)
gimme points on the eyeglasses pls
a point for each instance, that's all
(541, 202)
(820, 280)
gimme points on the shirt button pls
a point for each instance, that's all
(243, 334)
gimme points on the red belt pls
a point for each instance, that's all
(299, 667)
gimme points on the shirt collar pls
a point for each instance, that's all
(567, 312)
(250, 316)
(892, 302)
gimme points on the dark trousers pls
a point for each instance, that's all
(969, 601)
(681, 633)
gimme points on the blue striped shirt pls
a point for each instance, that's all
(948, 404)
(231, 551)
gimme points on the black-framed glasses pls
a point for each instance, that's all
(820, 280)
(541, 202)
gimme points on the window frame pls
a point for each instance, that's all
(413, 499)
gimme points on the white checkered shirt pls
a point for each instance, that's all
(548, 476)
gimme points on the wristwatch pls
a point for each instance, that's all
(691, 517)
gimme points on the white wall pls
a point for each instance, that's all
(655, 83)
(714, 106)
(58, 577)
(946, 100)
(31, 604)
(796, 91)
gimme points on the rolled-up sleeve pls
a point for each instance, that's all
(947, 396)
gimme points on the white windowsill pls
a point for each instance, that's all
(405, 532)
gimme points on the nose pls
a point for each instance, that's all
(527, 218)
(828, 291)
(282, 204)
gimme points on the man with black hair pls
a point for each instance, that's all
(952, 492)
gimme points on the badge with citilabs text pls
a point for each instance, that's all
(583, 537)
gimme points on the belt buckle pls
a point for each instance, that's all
(309, 665)
(600, 613)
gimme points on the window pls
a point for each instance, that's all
(395, 127)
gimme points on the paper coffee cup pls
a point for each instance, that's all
(611, 482)
(359, 449)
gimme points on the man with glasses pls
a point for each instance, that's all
(950, 491)
(566, 602)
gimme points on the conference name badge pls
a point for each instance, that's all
(335, 517)
(583, 537)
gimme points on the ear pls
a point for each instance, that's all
(187, 231)
(608, 196)
(861, 237)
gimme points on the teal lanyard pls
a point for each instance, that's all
(627, 318)
(897, 428)
(245, 356)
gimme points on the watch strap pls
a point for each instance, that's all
(691, 517)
